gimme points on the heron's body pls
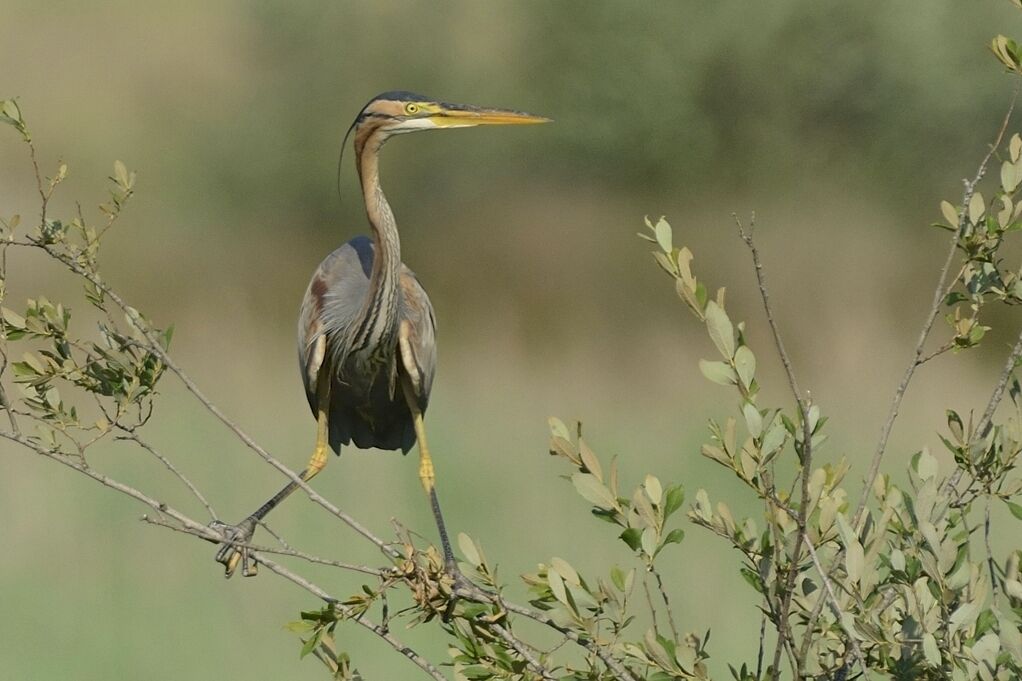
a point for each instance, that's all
(366, 332)
(367, 407)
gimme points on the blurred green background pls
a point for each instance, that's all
(841, 124)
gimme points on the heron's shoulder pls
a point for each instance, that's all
(356, 254)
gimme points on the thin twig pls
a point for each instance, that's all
(81, 467)
(651, 605)
(193, 527)
(985, 422)
(522, 650)
(783, 630)
(667, 602)
(924, 333)
(132, 436)
(939, 294)
(762, 646)
(990, 552)
(838, 614)
(616, 669)
(212, 535)
(424, 664)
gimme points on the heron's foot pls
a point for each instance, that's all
(232, 550)
(462, 588)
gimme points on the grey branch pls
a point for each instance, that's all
(132, 436)
(939, 292)
(193, 527)
(784, 635)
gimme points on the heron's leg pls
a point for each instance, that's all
(230, 553)
(427, 474)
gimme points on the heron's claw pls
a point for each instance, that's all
(232, 550)
(462, 588)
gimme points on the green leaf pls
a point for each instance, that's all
(311, 643)
(565, 570)
(617, 576)
(855, 561)
(675, 498)
(556, 584)
(753, 419)
(774, 437)
(964, 616)
(663, 235)
(722, 332)
(718, 372)
(468, 549)
(10, 109)
(593, 491)
(633, 537)
(1016, 510)
(930, 650)
(674, 537)
(745, 365)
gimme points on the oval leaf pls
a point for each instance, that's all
(718, 372)
(722, 332)
(745, 365)
(593, 491)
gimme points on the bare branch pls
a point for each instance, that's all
(783, 630)
(939, 292)
(193, 527)
(212, 535)
(667, 602)
(132, 436)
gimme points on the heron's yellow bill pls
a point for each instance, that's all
(464, 116)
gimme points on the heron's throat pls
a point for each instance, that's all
(379, 326)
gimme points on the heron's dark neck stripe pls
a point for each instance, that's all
(379, 312)
(378, 324)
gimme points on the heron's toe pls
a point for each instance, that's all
(232, 550)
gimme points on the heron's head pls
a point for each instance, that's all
(394, 113)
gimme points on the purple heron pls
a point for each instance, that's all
(366, 343)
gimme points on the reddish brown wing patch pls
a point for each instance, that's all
(318, 290)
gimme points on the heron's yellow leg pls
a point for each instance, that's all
(229, 555)
(427, 475)
(321, 453)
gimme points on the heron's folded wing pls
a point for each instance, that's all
(417, 311)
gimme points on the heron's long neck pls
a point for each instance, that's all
(380, 309)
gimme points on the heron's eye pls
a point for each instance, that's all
(411, 108)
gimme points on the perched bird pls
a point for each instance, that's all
(366, 331)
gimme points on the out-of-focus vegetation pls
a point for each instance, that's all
(841, 125)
